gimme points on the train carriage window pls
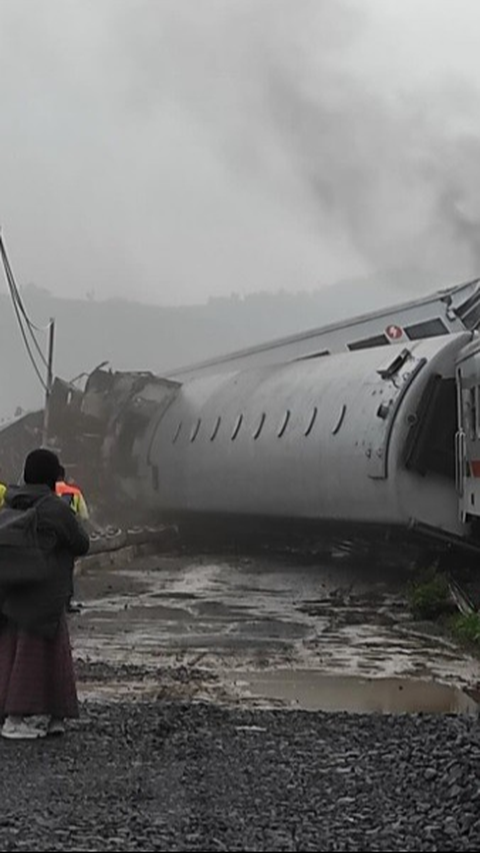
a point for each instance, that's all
(237, 426)
(375, 341)
(311, 421)
(177, 433)
(195, 429)
(284, 423)
(472, 318)
(477, 411)
(216, 428)
(430, 444)
(473, 412)
(469, 311)
(468, 404)
(428, 329)
(313, 355)
(260, 425)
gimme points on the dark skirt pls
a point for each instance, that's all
(36, 674)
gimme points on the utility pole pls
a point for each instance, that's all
(48, 387)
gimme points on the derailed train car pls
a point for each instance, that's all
(381, 442)
(385, 439)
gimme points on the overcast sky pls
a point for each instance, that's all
(172, 150)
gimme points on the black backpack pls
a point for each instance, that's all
(22, 560)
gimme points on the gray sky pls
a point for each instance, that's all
(172, 150)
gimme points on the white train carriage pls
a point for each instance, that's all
(381, 436)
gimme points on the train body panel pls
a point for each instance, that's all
(329, 439)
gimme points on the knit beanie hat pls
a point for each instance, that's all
(42, 467)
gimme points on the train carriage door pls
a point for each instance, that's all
(467, 437)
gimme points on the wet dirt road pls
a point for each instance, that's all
(258, 640)
(263, 630)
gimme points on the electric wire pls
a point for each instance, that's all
(17, 299)
(22, 316)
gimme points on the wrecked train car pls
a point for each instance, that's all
(383, 442)
(368, 440)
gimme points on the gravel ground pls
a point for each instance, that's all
(178, 776)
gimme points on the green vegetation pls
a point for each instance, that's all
(429, 595)
(429, 598)
(466, 628)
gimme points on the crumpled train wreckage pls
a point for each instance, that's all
(94, 431)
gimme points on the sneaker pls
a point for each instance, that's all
(56, 727)
(25, 728)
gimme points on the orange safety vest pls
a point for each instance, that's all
(74, 497)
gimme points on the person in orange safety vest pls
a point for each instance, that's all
(71, 494)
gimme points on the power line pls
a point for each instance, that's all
(22, 316)
(29, 350)
(17, 300)
(18, 296)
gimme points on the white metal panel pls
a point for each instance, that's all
(339, 471)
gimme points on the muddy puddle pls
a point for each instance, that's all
(309, 635)
(315, 691)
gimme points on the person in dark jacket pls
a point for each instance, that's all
(37, 682)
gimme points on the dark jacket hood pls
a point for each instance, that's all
(23, 497)
(37, 608)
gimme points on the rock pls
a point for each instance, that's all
(214, 786)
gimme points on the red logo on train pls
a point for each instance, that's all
(394, 332)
